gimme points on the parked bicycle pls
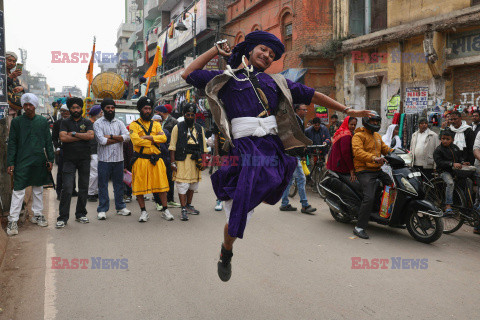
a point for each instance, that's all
(317, 168)
(463, 208)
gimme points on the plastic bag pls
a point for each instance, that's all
(127, 178)
(305, 168)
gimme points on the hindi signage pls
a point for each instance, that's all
(416, 100)
(464, 44)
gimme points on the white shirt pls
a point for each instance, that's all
(112, 152)
(476, 146)
(420, 148)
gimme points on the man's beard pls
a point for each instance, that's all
(109, 115)
(145, 116)
(189, 122)
(76, 114)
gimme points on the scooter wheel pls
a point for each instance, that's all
(424, 228)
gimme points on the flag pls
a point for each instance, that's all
(146, 50)
(152, 71)
(171, 30)
(164, 51)
(90, 69)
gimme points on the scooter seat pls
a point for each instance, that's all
(355, 186)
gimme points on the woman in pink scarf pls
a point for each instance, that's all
(340, 158)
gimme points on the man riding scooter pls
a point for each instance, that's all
(368, 148)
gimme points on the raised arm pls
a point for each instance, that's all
(202, 60)
(327, 102)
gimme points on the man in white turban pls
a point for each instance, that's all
(29, 160)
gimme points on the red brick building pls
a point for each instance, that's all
(301, 25)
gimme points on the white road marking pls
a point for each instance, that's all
(49, 310)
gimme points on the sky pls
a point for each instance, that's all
(68, 26)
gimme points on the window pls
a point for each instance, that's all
(379, 15)
(358, 11)
(287, 30)
(239, 38)
(356, 19)
(288, 37)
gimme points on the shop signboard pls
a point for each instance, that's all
(171, 82)
(416, 100)
(463, 44)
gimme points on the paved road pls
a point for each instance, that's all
(288, 266)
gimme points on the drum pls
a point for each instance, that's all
(108, 85)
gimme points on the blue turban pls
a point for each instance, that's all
(252, 40)
(95, 110)
(161, 109)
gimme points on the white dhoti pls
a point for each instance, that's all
(228, 208)
(93, 182)
(17, 202)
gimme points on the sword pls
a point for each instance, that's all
(49, 171)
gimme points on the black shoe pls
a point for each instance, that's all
(309, 210)
(224, 265)
(183, 215)
(92, 199)
(74, 193)
(288, 207)
(361, 234)
(191, 209)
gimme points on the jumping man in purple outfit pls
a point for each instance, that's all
(254, 111)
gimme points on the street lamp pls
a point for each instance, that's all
(181, 27)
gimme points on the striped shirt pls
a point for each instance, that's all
(112, 152)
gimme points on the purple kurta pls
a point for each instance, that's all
(249, 183)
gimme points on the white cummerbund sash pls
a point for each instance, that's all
(251, 126)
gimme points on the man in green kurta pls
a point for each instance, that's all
(29, 143)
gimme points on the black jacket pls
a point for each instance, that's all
(476, 131)
(56, 134)
(183, 147)
(445, 157)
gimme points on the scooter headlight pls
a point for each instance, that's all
(408, 186)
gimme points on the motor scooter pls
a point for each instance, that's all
(406, 205)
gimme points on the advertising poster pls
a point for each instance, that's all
(416, 100)
(322, 113)
(392, 106)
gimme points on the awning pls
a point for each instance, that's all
(294, 74)
(169, 96)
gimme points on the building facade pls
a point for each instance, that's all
(426, 53)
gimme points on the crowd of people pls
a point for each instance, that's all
(255, 113)
(358, 153)
(100, 149)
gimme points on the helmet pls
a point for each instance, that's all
(366, 122)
